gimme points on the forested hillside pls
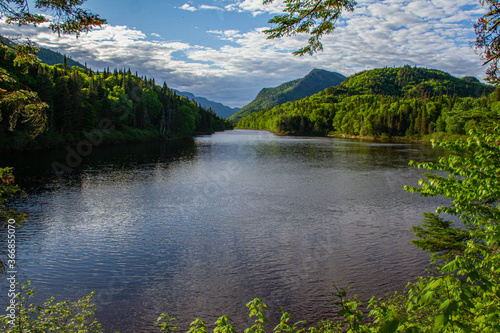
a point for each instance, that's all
(389, 102)
(50, 57)
(312, 83)
(122, 106)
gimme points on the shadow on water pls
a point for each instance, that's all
(39, 170)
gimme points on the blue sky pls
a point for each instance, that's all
(216, 48)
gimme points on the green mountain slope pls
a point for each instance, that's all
(50, 57)
(387, 102)
(314, 82)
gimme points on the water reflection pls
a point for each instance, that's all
(199, 228)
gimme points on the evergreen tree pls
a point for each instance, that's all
(62, 106)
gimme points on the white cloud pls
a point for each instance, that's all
(256, 7)
(207, 7)
(154, 34)
(426, 33)
(188, 7)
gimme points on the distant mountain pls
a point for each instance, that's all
(220, 109)
(50, 57)
(314, 82)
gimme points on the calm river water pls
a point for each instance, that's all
(200, 227)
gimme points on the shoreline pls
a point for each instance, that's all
(348, 136)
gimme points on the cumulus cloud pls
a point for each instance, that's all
(188, 7)
(207, 7)
(426, 33)
(256, 7)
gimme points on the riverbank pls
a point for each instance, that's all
(436, 136)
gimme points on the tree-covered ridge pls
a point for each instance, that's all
(50, 57)
(410, 82)
(387, 102)
(79, 101)
(314, 82)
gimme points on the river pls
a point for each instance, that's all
(199, 227)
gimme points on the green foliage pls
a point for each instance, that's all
(411, 82)
(350, 314)
(284, 325)
(472, 183)
(464, 295)
(257, 309)
(20, 104)
(54, 317)
(388, 102)
(198, 326)
(440, 236)
(166, 323)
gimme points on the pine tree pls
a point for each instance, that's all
(62, 106)
(75, 90)
(423, 122)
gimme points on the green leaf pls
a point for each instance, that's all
(451, 307)
(451, 266)
(440, 322)
(389, 326)
(465, 297)
(427, 298)
(464, 327)
(434, 284)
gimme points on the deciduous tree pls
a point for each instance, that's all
(314, 18)
(488, 41)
